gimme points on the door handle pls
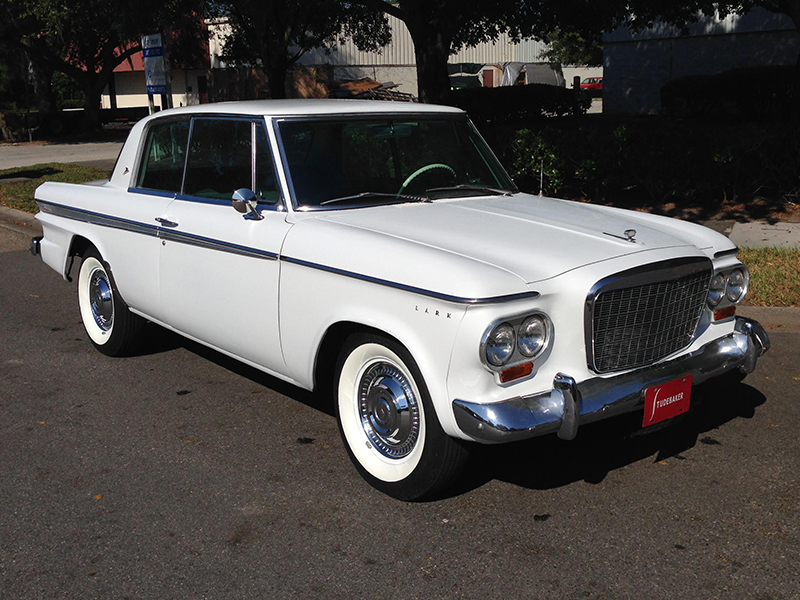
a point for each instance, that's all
(166, 222)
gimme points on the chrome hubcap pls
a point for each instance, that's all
(101, 300)
(389, 410)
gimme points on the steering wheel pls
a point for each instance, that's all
(422, 170)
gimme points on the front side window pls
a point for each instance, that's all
(226, 155)
(164, 157)
(387, 159)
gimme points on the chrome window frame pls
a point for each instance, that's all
(462, 117)
(254, 120)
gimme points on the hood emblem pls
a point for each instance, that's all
(629, 235)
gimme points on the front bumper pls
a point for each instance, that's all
(570, 404)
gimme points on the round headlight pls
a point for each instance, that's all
(737, 286)
(716, 290)
(500, 344)
(532, 336)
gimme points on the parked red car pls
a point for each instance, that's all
(592, 83)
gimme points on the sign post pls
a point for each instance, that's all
(156, 71)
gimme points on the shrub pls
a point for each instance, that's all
(690, 169)
(520, 103)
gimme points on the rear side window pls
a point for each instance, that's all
(229, 154)
(165, 156)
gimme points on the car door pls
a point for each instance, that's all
(130, 243)
(219, 268)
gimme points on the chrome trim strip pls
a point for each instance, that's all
(599, 398)
(146, 192)
(87, 216)
(410, 288)
(212, 244)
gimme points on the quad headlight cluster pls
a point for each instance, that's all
(728, 287)
(515, 340)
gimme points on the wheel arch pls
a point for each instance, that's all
(330, 346)
(78, 247)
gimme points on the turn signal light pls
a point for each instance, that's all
(516, 372)
(724, 313)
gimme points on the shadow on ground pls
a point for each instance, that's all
(547, 462)
(603, 447)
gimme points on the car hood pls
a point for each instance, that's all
(526, 238)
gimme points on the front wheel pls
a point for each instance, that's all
(113, 329)
(388, 423)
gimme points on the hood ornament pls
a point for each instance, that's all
(629, 235)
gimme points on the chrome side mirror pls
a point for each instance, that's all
(245, 201)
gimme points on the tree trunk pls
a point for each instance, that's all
(92, 86)
(42, 76)
(277, 81)
(433, 78)
(432, 43)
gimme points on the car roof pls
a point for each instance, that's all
(311, 107)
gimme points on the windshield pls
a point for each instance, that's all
(345, 162)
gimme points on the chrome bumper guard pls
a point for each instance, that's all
(570, 404)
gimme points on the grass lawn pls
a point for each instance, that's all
(774, 276)
(17, 185)
(775, 272)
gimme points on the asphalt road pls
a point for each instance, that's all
(181, 474)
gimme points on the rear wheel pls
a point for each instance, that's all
(113, 329)
(388, 423)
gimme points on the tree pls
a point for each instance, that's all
(277, 33)
(440, 28)
(573, 48)
(87, 39)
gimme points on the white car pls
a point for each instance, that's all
(380, 251)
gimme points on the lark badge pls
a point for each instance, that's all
(668, 400)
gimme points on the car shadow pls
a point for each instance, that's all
(540, 463)
(600, 448)
(159, 339)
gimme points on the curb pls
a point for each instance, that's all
(19, 221)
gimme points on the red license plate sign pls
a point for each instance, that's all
(662, 402)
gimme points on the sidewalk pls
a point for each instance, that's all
(101, 155)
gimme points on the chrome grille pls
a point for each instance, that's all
(635, 325)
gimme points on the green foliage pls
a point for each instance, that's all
(688, 169)
(87, 39)
(68, 93)
(573, 48)
(276, 33)
(19, 194)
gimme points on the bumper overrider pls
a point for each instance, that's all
(570, 404)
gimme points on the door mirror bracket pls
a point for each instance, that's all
(245, 201)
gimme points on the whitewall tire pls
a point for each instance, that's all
(387, 421)
(108, 322)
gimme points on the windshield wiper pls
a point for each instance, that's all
(369, 195)
(471, 187)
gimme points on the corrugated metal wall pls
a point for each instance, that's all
(401, 52)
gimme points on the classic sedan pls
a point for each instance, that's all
(380, 252)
